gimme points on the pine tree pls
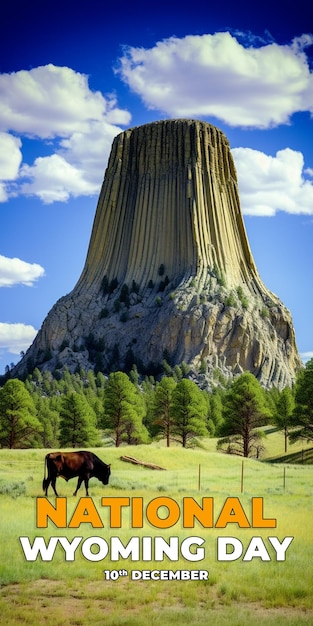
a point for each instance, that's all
(302, 418)
(19, 426)
(49, 418)
(189, 412)
(283, 413)
(245, 409)
(216, 412)
(162, 414)
(78, 422)
(123, 410)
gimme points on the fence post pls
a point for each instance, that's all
(242, 472)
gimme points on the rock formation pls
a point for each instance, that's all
(169, 272)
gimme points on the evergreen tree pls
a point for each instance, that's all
(78, 422)
(148, 393)
(19, 425)
(283, 412)
(49, 418)
(90, 381)
(123, 410)
(37, 376)
(97, 406)
(66, 383)
(100, 381)
(245, 409)
(162, 413)
(216, 412)
(272, 397)
(302, 418)
(49, 384)
(135, 431)
(189, 412)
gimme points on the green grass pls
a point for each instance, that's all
(300, 452)
(237, 592)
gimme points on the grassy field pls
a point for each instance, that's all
(238, 592)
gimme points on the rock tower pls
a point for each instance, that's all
(169, 274)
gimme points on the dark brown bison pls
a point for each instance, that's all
(83, 464)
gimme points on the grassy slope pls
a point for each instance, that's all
(237, 592)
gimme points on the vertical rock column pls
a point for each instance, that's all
(169, 201)
(169, 197)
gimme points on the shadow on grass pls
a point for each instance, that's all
(301, 457)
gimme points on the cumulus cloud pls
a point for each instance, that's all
(306, 356)
(15, 271)
(56, 105)
(16, 338)
(50, 101)
(76, 169)
(268, 184)
(10, 160)
(54, 179)
(240, 79)
(215, 75)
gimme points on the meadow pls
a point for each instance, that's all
(68, 593)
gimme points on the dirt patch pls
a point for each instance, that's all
(79, 603)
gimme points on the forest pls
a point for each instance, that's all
(90, 409)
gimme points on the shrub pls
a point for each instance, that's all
(230, 300)
(216, 271)
(12, 489)
(124, 295)
(124, 317)
(103, 313)
(113, 285)
(163, 284)
(243, 299)
(117, 306)
(203, 367)
(264, 312)
(135, 287)
(105, 285)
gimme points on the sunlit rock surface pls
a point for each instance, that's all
(169, 273)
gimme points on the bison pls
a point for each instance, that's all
(70, 464)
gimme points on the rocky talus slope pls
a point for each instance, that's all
(169, 273)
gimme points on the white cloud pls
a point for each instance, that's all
(54, 179)
(3, 192)
(77, 169)
(16, 338)
(50, 101)
(268, 184)
(10, 156)
(15, 271)
(306, 356)
(215, 75)
(10, 160)
(55, 104)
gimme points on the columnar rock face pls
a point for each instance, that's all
(169, 273)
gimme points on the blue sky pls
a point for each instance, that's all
(73, 75)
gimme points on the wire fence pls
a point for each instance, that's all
(240, 477)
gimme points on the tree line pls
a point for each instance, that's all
(90, 409)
